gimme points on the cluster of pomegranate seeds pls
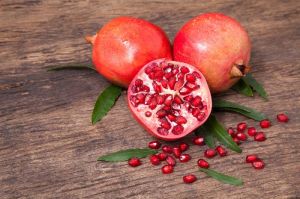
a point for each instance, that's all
(256, 162)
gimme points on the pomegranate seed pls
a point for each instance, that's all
(198, 140)
(172, 82)
(154, 144)
(164, 83)
(241, 136)
(148, 113)
(154, 160)
(196, 101)
(134, 162)
(195, 112)
(176, 152)
(241, 127)
(162, 156)
(196, 74)
(188, 98)
(161, 113)
(221, 151)
(171, 117)
(170, 160)
(138, 82)
(162, 131)
(185, 91)
(148, 70)
(265, 123)
(258, 164)
(156, 87)
(260, 137)
(231, 132)
(203, 164)
(251, 158)
(160, 99)
(145, 88)
(236, 140)
(210, 153)
(282, 117)
(189, 178)
(184, 69)
(167, 169)
(166, 125)
(251, 131)
(178, 129)
(181, 120)
(168, 100)
(177, 99)
(190, 78)
(167, 149)
(184, 158)
(183, 146)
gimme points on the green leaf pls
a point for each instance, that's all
(223, 105)
(71, 66)
(125, 155)
(243, 88)
(213, 126)
(208, 137)
(256, 86)
(222, 177)
(105, 102)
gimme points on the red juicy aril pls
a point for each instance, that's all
(169, 99)
(124, 45)
(218, 46)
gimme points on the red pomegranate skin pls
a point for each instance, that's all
(213, 42)
(124, 45)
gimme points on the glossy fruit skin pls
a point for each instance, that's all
(124, 45)
(153, 124)
(190, 178)
(134, 162)
(203, 163)
(213, 42)
(167, 169)
(282, 118)
(258, 164)
(265, 123)
(154, 144)
(154, 160)
(210, 153)
(251, 158)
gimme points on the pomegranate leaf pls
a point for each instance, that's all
(243, 88)
(125, 155)
(72, 67)
(218, 131)
(256, 86)
(223, 105)
(209, 139)
(222, 177)
(105, 102)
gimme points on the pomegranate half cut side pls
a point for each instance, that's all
(169, 99)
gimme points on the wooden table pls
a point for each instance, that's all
(48, 147)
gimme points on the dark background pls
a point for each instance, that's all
(48, 147)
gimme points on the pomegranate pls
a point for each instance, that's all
(203, 163)
(167, 169)
(189, 178)
(124, 45)
(154, 145)
(218, 46)
(282, 118)
(134, 162)
(176, 94)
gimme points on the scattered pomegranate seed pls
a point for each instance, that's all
(241, 127)
(162, 156)
(241, 136)
(134, 162)
(198, 140)
(154, 160)
(167, 169)
(189, 178)
(258, 164)
(176, 152)
(251, 131)
(183, 146)
(167, 149)
(236, 140)
(170, 160)
(184, 158)
(260, 137)
(251, 158)
(203, 164)
(210, 153)
(265, 123)
(154, 144)
(282, 117)
(231, 132)
(221, 151)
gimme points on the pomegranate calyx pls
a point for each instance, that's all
(239, 70)
(91, 39)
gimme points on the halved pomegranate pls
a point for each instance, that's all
(169, 99)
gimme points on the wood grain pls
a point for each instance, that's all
(48, 147)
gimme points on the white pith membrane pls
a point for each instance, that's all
(141, 101)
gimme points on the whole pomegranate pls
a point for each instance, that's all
(169, 99)
(124, 45)
(218, 46)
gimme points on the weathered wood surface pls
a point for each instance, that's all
(48, 147)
